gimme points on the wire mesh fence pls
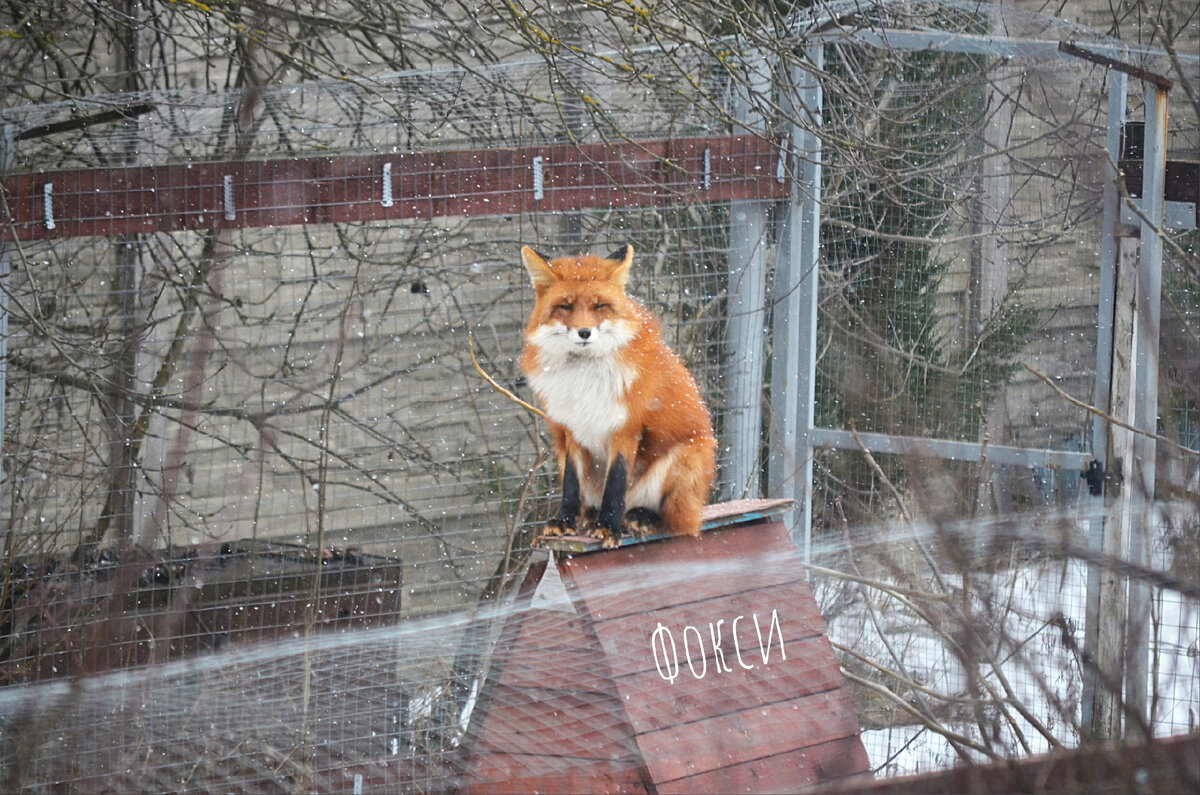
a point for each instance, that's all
(264, 516)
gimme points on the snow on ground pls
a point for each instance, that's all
(1038, 610)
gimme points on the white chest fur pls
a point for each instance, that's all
(586, 394)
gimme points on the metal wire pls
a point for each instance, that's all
(247, 413)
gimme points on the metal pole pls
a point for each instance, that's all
(746, 361)
(1110, 217)
(947, 449)
(1146, 348)
(794, 352)
(782, 474)
(7, 142)
(1114, 583)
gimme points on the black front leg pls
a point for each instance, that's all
(568, 508)
(611, 518)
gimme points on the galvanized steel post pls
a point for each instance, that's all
(1097, 716)
(794, 331)
(1140, 489)
(747, 310)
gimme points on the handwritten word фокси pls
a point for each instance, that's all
(666, 648)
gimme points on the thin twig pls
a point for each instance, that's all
(1110, 418)
(922, 710)
(957, 741)
(878, 470)
(887, 587)
(937, 572)
(508, 394)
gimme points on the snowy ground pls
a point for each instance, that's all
(1038, 610)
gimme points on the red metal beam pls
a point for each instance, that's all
(453, 182)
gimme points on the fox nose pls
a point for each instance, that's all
(584, 333)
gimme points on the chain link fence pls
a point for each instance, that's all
(263, 513)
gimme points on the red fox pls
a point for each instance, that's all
(634, 441)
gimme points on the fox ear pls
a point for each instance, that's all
(623, 256)
(539, 270)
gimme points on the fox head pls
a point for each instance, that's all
(581, 307)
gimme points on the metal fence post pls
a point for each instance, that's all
(1146, 350)
(7, 141)
(794, 327)
(1111, 597)
(1097, 633)
(747, 310)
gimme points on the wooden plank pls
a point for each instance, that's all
(550, 719)
(1163, 765)
(732, 720)
(730, 512)
(841, 760)
(527, 765)
(759, 731)
(549, 630)
(569, 670)
(554, 650)
(712, 517)
(660, 704)
(528, 773)
(748, 706)
(482, 717)
(349, 189)
(643, 578)
(630, 641)
(555, 723)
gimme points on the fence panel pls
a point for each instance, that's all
(262, 512)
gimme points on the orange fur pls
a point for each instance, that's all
(612, 390)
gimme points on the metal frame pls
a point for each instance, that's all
(1110, 217)
(747, 312)
(8, 138)
(1001, 455)
(794, 360)
(795, 324)
(796, 385)
(1139, 494)
(794, 303)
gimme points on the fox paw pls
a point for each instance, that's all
(557, 527)
(589, 521)
(642, 521)
(609, 539)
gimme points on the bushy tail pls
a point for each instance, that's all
(689, 489)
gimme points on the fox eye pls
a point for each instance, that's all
(602, 307)
(562, 307)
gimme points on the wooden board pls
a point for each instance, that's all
(712, 517)
(758, 556)
(1162, 766)
(838, 761)
(747, 707)
(751, 703)
(526, 773)
(550, 719)
(348, 188)
(149, 609)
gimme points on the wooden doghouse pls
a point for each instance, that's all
(63, 617)
(666, 665)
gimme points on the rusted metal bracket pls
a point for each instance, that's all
(1144, 75)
